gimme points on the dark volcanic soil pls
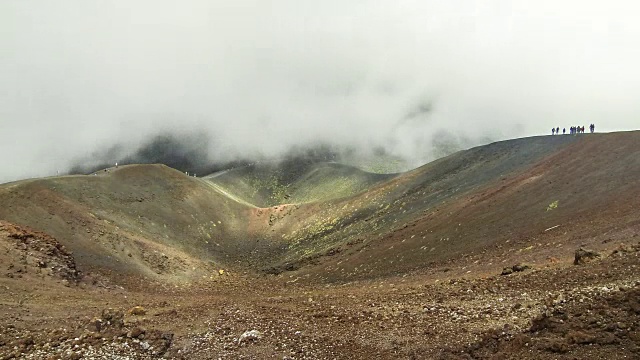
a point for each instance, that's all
(520, 249)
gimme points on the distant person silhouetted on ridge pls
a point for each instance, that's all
(558, 130)
(564, 130)
(553, 131)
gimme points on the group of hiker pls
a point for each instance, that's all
(573, 130)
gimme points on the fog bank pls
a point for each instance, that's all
(255, 79)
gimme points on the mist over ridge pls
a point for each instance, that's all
(193, 152)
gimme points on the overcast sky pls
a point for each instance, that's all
(78, 76)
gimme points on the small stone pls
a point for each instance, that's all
(138, 311)
(507, 271)
(95, 325)
(250, 336)
(583, 256)
(520, 267)
(113, 317)
(136, 332)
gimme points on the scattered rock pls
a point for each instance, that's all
(41, 251)
(583, 256)
(95, 325)
(507, 271)
(560, 299)
(623, 248)
(138, 311)
(250, 336)
(580, 337)
(514, 268)
(113, 317)
(136, 332)
(520, 267)
(557, 346)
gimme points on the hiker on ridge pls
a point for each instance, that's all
(553, 131)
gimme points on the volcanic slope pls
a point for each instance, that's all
(275, 183)
(525, 200)
(528, 199)
(146, 220)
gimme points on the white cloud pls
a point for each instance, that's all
(264, 75)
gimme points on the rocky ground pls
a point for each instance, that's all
(587, 309)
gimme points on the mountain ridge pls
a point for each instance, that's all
(279, 220)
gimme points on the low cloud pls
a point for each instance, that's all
(95, 81)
